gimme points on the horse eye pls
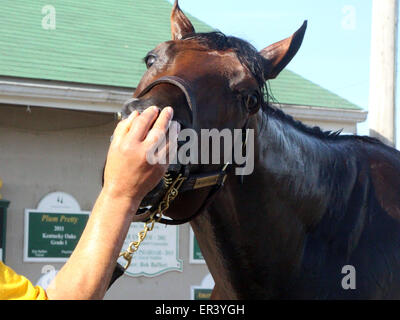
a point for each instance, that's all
(150, 60)
(252, 101)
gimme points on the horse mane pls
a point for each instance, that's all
(249, 56)
(314, 131)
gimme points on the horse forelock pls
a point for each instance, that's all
(245, 52)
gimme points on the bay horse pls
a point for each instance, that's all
(317, 202)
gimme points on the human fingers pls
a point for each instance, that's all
(175, 129)
(124, 126)
(164, 120)
(159, 130)
(167, 151)
(143, 123)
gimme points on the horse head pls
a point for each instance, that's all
(212, 81)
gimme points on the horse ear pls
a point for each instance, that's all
(180, 24)
(278, 55)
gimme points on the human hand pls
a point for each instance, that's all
(128, 174)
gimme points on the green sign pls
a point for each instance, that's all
(202, 294)
(51, 236)
(196, 256)
(3, 228)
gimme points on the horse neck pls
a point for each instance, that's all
(261, 225)
(291, 167)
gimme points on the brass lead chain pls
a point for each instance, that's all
(170, 196)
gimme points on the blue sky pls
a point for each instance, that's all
(335, 52)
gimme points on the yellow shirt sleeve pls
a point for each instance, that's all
(16, 287)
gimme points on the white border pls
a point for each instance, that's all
(26, 234)
(191, 250)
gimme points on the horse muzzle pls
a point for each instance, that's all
(171, 91)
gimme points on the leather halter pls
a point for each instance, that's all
(192, 181)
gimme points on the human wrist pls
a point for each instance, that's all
(110, 195)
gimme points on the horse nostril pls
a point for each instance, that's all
(130, 106)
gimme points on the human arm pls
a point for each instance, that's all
(128, 177)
